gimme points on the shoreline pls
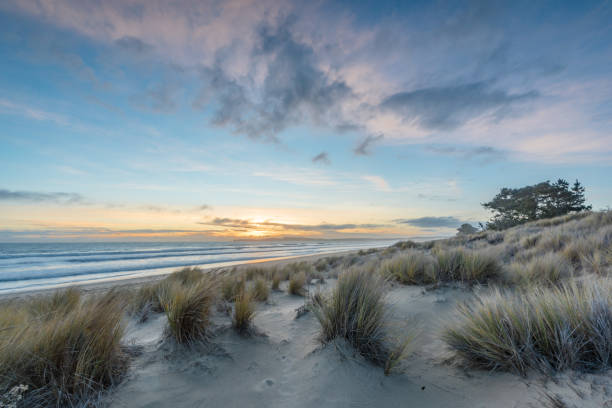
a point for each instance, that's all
(89, 287)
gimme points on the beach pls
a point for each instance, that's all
(447, 318)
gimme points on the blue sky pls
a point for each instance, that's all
(223, 119)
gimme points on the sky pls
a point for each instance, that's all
(214, 120)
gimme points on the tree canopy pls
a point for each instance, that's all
(513, 206)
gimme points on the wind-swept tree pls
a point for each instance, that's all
(513, 206)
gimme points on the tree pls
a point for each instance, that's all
(466, 229)
(513, 206)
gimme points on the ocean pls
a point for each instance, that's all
(33, 266)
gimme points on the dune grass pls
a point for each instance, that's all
(188, 309)
(64, 355)
(548, 269)
(231, 286)
(421, 268)
(548, 329)
(276, 280)
(411, 268)
(356, 312)
(260, 290)
(244, 311)
(296, 283)
(59, 302)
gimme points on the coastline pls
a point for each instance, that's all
(88, 287)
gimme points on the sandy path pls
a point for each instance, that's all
(287, 367)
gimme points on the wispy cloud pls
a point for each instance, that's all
(432, 222)
(322, 157)
(482, 154)
(364, 147)
(378, 182)
(37, 196)
(11, 108)
(243, 225)
(446, 108)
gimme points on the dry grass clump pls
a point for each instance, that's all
(404, 245)
(244, 311)
(327, 263)
(356, 311)
(188, 309)
(418, 268)
(553, 241)
(597, 262)
(147, 298)
(548, 329)
(411, 268)
(231, 287)
(60, 302)
(65, 355)
(260, 290)
(530, 241)
(479, 267)
(548, 269)
(577, 250)
(254, 272)
(296, 283)
(276, 280)
(186, 276)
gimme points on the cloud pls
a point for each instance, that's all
(242, 225)
(363, 148)
(378, 182)
(436, 71)
(322, 157)
(35, 196)
(482, 154)
(294, 90)
(432, 222)
(8, 107)
(447, 108)
(133, 44)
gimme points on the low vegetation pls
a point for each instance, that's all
(296, 283)
(63, 352)
(244, 311)
(188, 308)
(260, 290)
(356, 312)
(548, 329)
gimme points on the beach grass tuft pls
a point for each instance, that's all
(188, 309)
(244, 311)
(548, 329)
(356, 312)
(296, 283)
(65, 355)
